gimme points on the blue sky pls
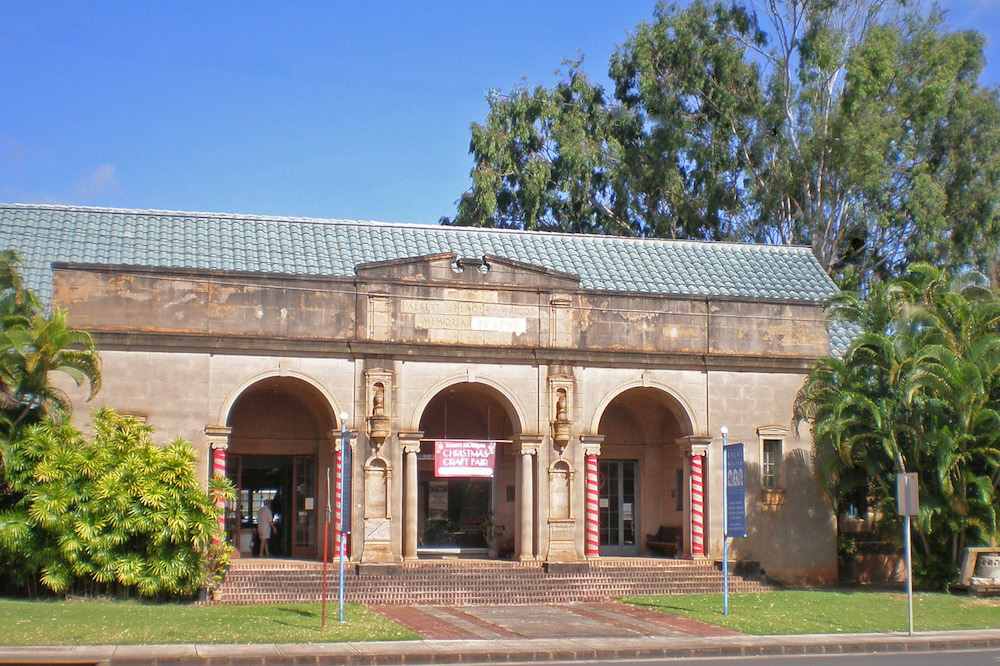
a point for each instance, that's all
(353, 110)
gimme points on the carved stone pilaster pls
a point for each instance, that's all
(378, 511)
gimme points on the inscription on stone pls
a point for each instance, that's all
(500, 324)
(466, 321)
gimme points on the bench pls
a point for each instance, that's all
(667, 540)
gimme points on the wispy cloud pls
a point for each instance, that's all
(11, 152)
(99, 182)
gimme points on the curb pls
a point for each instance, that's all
(476, 652)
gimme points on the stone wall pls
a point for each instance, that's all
(180, 347)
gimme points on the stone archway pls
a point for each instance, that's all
(642, 475)
(467, 512)
(278, 445)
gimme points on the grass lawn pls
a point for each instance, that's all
(828, 611)
(100, 622)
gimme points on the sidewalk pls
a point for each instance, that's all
(609, 631)
(472, 651)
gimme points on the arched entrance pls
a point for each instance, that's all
(278, 445)
(466, 508)
(641, 471)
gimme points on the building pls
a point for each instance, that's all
(552, 397)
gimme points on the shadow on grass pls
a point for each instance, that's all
(297, 611)
(662, 607)
(297, 619)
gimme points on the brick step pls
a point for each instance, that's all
(472, 582)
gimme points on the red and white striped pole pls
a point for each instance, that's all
(219, 470)
(593, 538)
(337, 485)
(697, 506)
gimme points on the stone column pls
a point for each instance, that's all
(527, 448)
(591, 450)
(340, 477)
(218, 442)
(410, 444)
(695, 451)
(335, 445)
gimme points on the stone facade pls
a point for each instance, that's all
(441, 347)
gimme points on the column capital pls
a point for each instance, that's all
(591, 444)
(409, 440)
(218, 436)
(335, 437)
(694, 445)
(527, 444)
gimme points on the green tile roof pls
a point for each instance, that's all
(842, 334)
(47, 234)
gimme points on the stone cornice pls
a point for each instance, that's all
(111, 340)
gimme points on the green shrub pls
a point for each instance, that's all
(113, 513)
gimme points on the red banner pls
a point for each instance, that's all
(453, 458)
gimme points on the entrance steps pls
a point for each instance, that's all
(475, 582)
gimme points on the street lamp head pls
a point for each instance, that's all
(724, 430)
(343, 416)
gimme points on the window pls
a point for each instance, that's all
(772, 444)
(771, 464)
(251, 501)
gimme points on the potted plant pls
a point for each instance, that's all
(492, 532)
(216, 565)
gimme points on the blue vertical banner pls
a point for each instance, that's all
(736, 512)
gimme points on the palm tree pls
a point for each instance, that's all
(56, 347)
(34, 344)
(957, 383)
(917, 390)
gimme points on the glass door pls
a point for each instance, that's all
(617, 508)
(304, 507)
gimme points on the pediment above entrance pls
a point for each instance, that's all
(453, 268)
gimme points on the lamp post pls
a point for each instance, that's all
(345, 499)
(725, 525)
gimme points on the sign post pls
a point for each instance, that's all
(345, 503)
(734, 506)
(907, 506)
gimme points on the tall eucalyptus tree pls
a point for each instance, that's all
(858, 127)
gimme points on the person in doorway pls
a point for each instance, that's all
(265, 526)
